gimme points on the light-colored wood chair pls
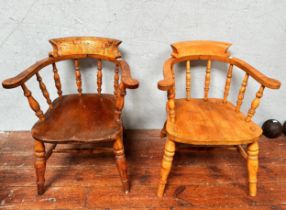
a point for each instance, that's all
(210, 121)
(81, 118)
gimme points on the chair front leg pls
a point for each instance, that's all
(166, 166)
(40, 165)
(252, 165)
(118, 149)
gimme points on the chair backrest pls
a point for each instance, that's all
(215, 51)
(70, 48)
(92, 47)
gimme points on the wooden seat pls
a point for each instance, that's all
(96, 121)
(206, 122)
(78, 118)
(211, 121)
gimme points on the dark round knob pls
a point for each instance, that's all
(284, 128)
(272, 128)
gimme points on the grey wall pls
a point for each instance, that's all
(256, 28)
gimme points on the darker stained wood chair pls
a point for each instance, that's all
(210, 121)
(78, 118)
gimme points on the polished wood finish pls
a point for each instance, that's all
(116, 80)
(40, 165)
(96, 121)
(169, 153)
(207, 80)
(44, 90)
(33, 103)
(186, 48)
(99, 76)
(77, 76)
(241, 92)
(255, 103)
(57, 80)
(211, 121)
(78, 118)
(227, 83)
(199, 178)
(188, 80)
(85, 45)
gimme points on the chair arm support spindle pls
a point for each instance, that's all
(119, 104)
(33, 103)
(171, 105)
(255, 103)
(44, 90)
(116, 79)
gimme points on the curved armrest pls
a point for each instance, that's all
(127, 80)
(257, 75)
(27, 74)
(168, 81)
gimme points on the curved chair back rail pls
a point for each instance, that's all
(103, 49)
(211, 51)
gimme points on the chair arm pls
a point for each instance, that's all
(257, 75)
(127, 80)
(168, 81)
(26, 74)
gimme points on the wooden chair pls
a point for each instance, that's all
(210, 121)
(78, 118)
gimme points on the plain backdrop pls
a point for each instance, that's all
(257, 30)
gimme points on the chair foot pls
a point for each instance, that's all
(169, 153)
(252, 165)
(121, 164)
(40, 165)
(41, 189)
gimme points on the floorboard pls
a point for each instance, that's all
(201, 177)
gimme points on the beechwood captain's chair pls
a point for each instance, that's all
(210, 121)
(78, 118)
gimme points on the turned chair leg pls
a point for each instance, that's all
(40, 165)
(166, 165)
(118, 149)
(252, 165)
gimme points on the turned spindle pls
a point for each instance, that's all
(207, 80)
(188, 80)
(57, 81)
(255, 103)
(120, 101)
(227, 83)
(33, 103)
(116, 79)
(44, 90)
(171, 104)
(241, 92)
(78, 76)
(99, 76)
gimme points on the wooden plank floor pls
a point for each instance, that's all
(201, 178)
